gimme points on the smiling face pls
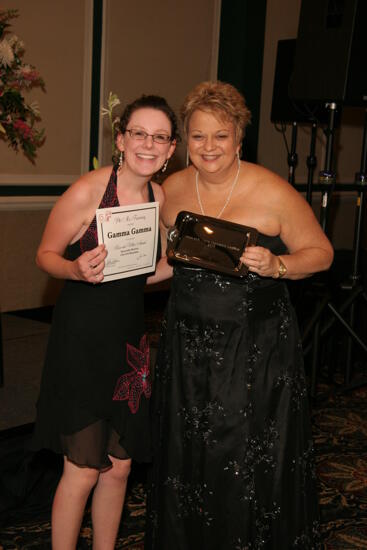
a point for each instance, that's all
(144, 157)
(211, 142)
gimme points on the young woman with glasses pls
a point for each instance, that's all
(94, 399)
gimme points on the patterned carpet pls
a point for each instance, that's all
(340, 432)
(36, 533)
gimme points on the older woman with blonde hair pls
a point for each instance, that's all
(233, 448)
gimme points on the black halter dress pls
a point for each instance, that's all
(96, 385)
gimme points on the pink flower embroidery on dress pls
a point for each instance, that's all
(132, 385)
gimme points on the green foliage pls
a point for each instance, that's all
(112, 102)
(95, 163)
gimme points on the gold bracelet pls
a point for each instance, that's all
(282, 269)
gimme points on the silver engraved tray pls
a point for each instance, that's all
(210, 243)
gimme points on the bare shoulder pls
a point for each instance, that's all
(93, 180)
(173, 183)
(88, 187)
(158, 192)
(175, 188)
(261, 175)
(271, 185)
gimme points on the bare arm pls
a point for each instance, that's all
(310, 251)
(68, 219)
(163, 269)
(163, 272)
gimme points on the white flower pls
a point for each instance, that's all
(16, 44)
(6, 53)
(112, 102)
(34, 107)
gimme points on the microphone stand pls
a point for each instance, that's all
(327, 177)
(1, 356)
(311, 163)
(354, 282)
(292, 156)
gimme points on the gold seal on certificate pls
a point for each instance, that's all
(210, 243)
(130, 234)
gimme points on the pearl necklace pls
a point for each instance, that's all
(229, 194)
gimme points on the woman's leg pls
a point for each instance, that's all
(69, 502)
(108, 502)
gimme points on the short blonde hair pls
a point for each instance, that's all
(218, 98)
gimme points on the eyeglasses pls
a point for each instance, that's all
(140, 135)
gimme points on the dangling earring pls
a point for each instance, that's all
(187, 157)
(164, 167)
(121, 160)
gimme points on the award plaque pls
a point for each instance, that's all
(210, 243)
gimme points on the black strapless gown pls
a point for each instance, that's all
(233, 466)
(95, 390)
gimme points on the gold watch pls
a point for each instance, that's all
(282, 270)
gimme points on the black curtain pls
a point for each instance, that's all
(241, 49)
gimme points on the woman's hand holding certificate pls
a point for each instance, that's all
(130, 234)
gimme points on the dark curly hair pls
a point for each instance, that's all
(151, 102)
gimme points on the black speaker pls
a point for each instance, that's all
(331, 51)
(283, 108)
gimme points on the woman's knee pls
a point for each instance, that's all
(80, 477)
(120, 469)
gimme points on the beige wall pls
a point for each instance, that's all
(22, 284)
(56, 38)
(158, 48)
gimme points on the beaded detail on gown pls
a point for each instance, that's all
(233, 453)
(96, 384)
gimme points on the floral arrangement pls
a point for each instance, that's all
(17, 118)
(112, 102)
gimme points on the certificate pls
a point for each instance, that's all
(130, 234)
